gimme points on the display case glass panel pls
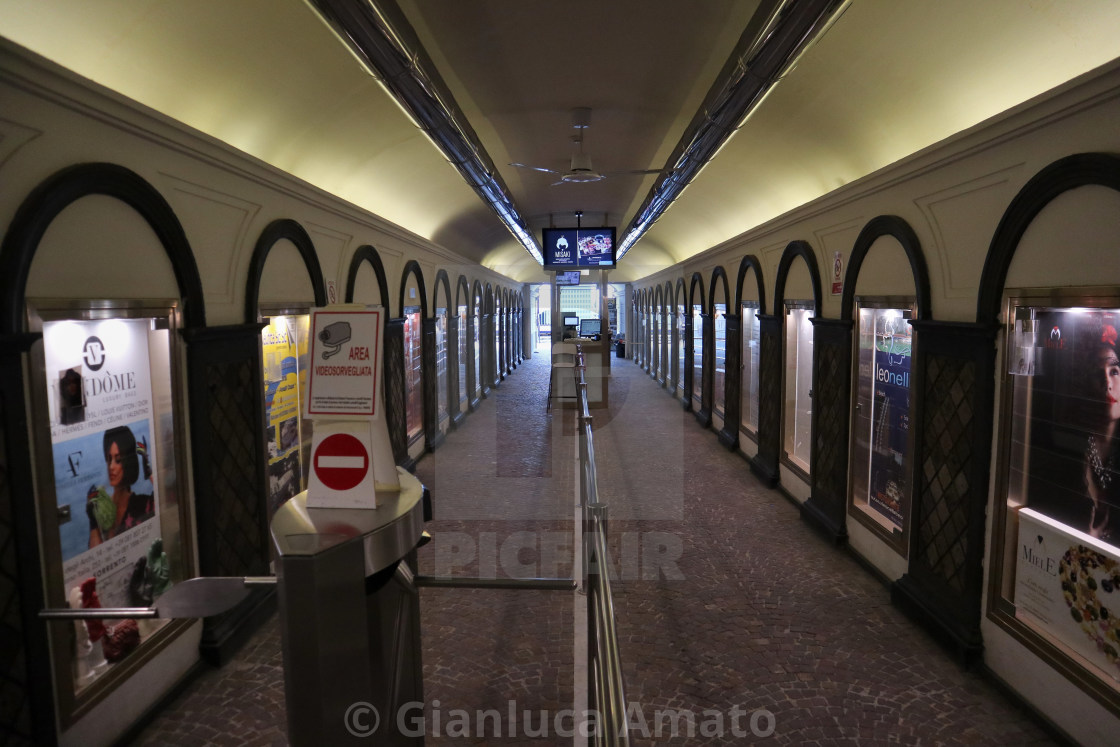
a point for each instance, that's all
(719, 323)
(476, 361)
(413, 373)
(1056, 575)
(697, 353)
(752, 336)
(113, 510)
(681, 362)
(284, 359)
(881, 441)
(462, 355)
(441, 364)
(797, 420)
(658, 337)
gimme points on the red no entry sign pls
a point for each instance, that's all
(341, 462)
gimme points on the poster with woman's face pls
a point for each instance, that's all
(103, 460)
(1072, 416)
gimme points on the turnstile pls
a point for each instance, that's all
(350, 619)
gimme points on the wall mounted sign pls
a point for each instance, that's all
(345, 362)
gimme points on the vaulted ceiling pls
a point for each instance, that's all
(270, 78)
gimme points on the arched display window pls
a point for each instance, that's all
(885, 289)
(285, 282)
(413, 306)
(667, 320)
(477, 304)
(366, 281)
(750, 296)
(441, 313)
(797, 298)
(488, 365)
(498, 336)
(639, 327)
(719, 297)
(98, 484)
(462, 311)
(658, 367)
(1052, 279)
(680, 344)
(697, 311)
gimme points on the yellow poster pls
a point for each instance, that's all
(284, 351)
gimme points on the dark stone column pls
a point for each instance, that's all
(486, 353)
(395, 399)
(500, 323)
(827, 507)
(954, 382)
(229, 460)
(28, 715)
(647, 339)
(686, 395)
(765, 463)
(430, 381)
(732, 406)
(472, 364)
(707, 370)
(453, 391)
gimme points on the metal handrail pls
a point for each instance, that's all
(605, 683)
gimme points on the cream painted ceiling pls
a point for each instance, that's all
(269, 78)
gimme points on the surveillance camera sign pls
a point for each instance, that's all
(345, 362)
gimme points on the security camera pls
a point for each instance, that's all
(334, 336)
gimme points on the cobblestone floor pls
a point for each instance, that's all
(728, 605)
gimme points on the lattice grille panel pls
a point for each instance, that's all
(944, 485)
(770, 384)
(15, 695)
(395, 389)
(830, 402)
(236, 502)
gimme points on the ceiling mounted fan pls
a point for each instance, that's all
(581, 170)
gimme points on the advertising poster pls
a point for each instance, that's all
(891, 422)
(284, 349)
(595, 249)
(1068, 413)
(1068, 584)
(99, 391)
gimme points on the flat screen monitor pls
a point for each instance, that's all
(571, 277)
(569, 248)
(589, 327)
(571, 321)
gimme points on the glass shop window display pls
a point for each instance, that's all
(414, 368)
(284, 358)
(881, 438)
(719, 322)
(111, 504)
(797, 417)
(752, 336)
(1060, 474)
(697, 353)
(441, 365)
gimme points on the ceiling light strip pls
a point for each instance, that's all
(381, 38)
(759, 61)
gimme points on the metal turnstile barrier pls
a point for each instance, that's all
(350, 617)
